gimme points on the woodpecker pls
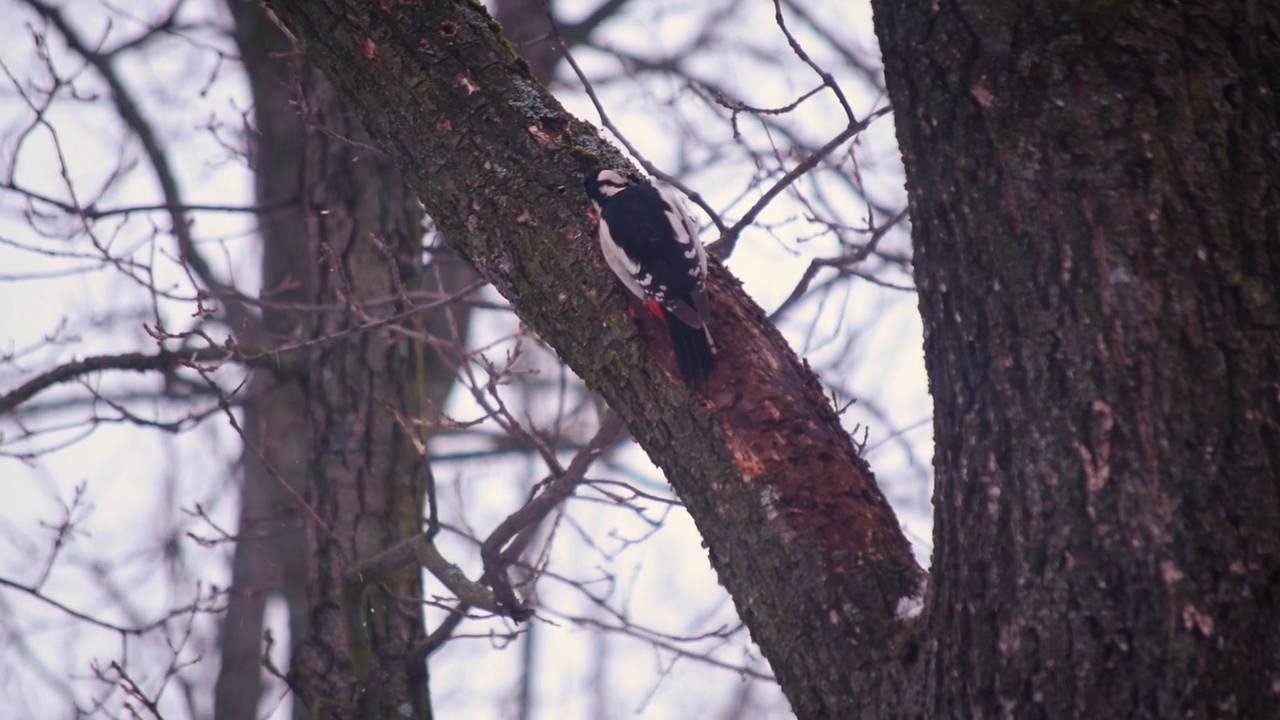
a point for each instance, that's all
(651, 243)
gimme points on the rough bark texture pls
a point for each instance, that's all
(1095, 189)
(366, 478)
(800, 535)
(325, 423)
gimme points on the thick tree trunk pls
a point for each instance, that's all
(367, 480)
(326, 423)
(1095, 190)
(797, 529)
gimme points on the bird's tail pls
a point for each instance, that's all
(694, 352)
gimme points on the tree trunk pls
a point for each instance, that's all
(367, 480)
(1095, 190)
(326, 424)
(271, 549)
(527, 26)
(793, 521)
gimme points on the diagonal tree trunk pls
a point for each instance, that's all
(794, 523)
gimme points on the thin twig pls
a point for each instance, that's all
(842, 262)
(649, 167)
(827, 78)
(123, 630)
(134, 119)
(723, 247)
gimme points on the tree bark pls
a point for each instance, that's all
(327, 426)
(1095, 190)
(797, 529)
(367, 480)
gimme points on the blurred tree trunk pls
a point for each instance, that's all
(527, 25)
(325, 425)
(1095, 191)
(271, 548)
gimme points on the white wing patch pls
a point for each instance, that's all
(620, 263)
(679, 217)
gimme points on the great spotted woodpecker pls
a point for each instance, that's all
(651, 243)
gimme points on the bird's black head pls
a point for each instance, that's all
(601, 185)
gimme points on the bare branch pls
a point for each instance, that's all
(164, 360)
(724, 247)
(826, 76)
(122, 629)
(494, 551)
(137, 122)
(844, 263)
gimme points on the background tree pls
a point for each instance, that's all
(339, 229)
